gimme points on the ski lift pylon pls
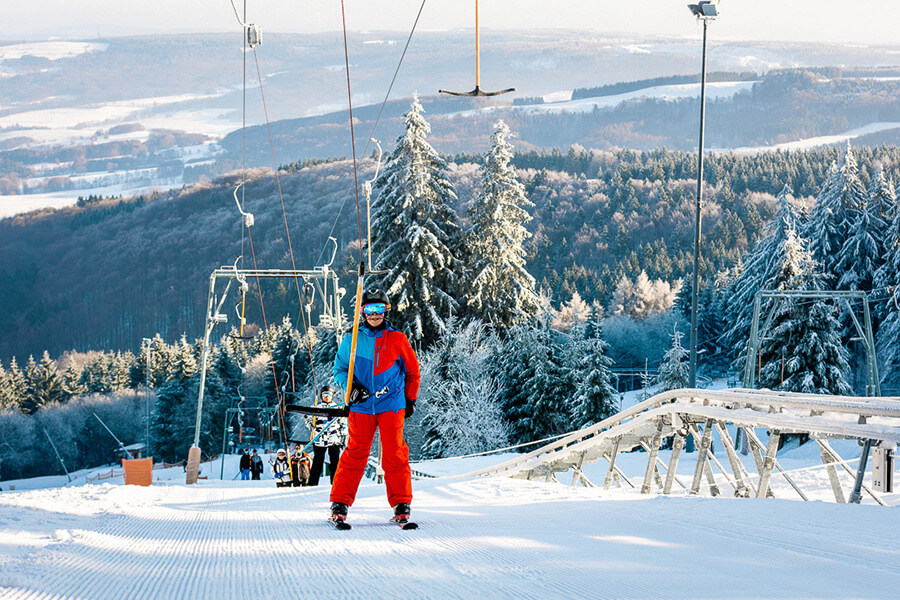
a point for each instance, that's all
(477, 91)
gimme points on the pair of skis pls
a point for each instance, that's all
(402, 523)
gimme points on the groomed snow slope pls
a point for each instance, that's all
(479, 538)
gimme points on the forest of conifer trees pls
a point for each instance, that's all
(575, 257)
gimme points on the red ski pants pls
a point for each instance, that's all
(394, 457)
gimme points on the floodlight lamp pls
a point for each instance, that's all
(706, 9)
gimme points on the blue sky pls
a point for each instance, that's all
(842, 21)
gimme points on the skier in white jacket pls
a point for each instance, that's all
(332, 436)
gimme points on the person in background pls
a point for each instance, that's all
(281, 469)
(330, 435)
(300, 463)
(384, 389)
(256, 465)
(245, 465)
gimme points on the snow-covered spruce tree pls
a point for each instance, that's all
(323, 352)
(674, 370)
(829, 221)
(862, 252)
(882, 197)
(72, 386)
(415, 234)
(883, 201)
(43, 384)
(818, 362)
(803, 351)
(711, 318)
(462, 413)
(49, 384)
(887, 280)
(290, 360)
(12, 387)
(184, 363)
(759, 269)
(122, 365)
(169, 424)
(498, 288)
(6, 397)
(161, 358)
(536, 387)
(594, 398)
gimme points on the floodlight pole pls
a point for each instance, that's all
(695, 280)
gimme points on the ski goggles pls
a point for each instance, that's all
(378, 308)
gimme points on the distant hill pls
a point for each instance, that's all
(782, 106)
(122, 114)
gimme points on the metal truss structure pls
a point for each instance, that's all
(324, 279)
(703, 414)
(851, 300)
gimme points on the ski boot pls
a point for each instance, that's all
(401, 516)
(339, 515)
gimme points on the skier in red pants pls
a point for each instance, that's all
(385, 387)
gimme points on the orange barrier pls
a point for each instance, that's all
(138, 471)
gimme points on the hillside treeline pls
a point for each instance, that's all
(152, 397)
(107, 274)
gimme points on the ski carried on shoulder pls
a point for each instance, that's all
(319, 411)
(404, 523)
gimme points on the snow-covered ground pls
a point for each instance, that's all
(14, 205)
(814, 142)
(715, 90)
(53, 50)
(478, 538)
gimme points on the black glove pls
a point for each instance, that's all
(358, 393)
(410, 408)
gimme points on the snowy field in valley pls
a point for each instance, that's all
(479, 538)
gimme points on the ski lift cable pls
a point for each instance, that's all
(251, 40)
(287, 230)
(262, 307)
(377, 120)
(252, 37)
(394, 78)
(352, 135)
(277, 178)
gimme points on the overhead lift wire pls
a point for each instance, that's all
(262, 307)
(246, 30)
(354, 328)
(245, 225)
(352, 135)
(287, 230)
(377, 120)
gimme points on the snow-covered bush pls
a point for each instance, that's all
(459, 396)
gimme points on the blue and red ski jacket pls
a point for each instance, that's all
(385, 364)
